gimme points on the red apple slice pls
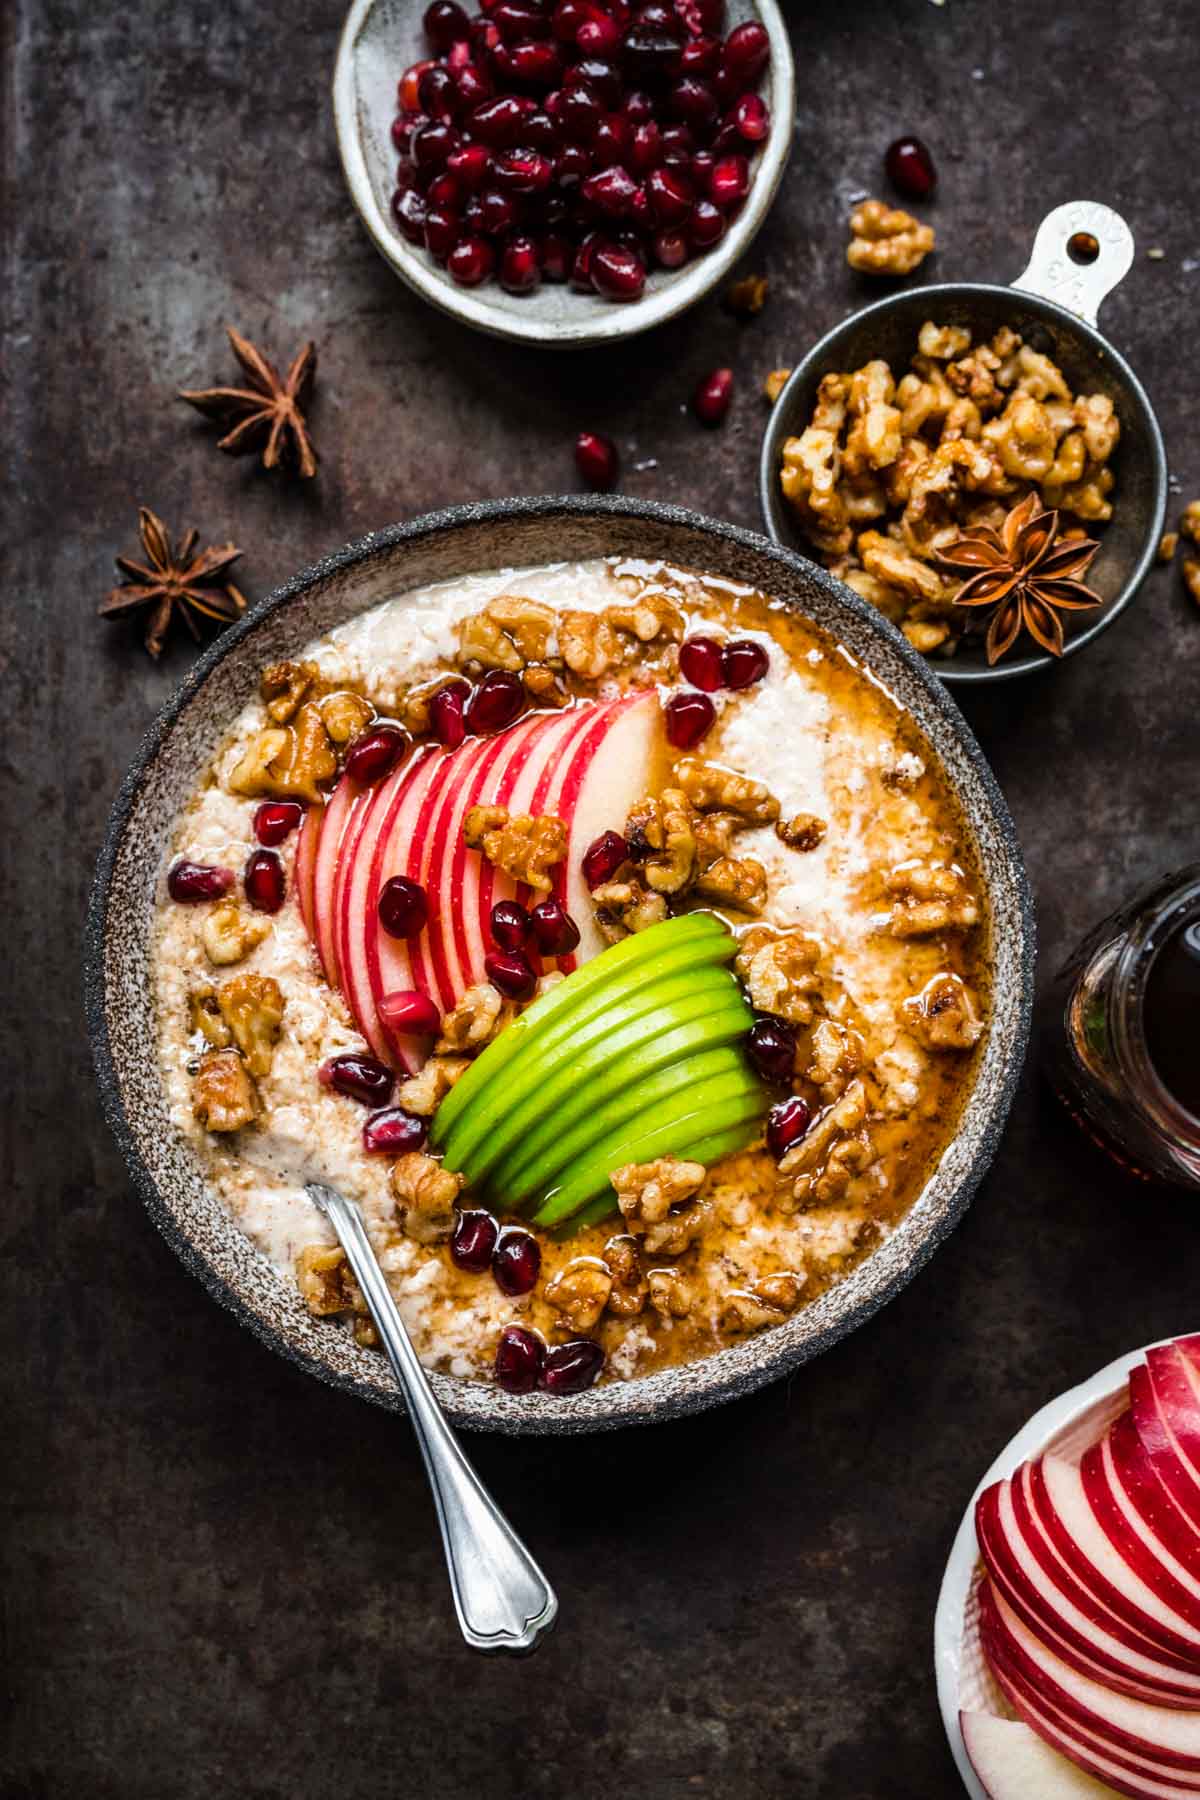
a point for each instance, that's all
(1177, 1398)
(306, 863)
(325, 869)
(1014, 1762)
(358, 848)
(1161, 1446)
(433, 851)
(385, 962)
(1152, 1501)
(1129, 1537)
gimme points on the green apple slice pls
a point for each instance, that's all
(622, 961)
(536, 1161)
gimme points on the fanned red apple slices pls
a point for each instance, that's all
(1090, 1606)
(586, 765)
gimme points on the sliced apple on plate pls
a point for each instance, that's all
(1013, 1763)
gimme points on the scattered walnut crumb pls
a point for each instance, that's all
(803, 831)
(887, 241)
(747, 296)
(524, 848)
(426, 1196)
(1167, 546)
(223, 1096)
(424, 1092)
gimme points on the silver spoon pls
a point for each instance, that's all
(503, 1601)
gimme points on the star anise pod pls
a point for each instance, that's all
(177, 580)
(1027, 572)
(269, 413)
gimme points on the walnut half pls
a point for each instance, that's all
(524, 848)
(886, 241)
(657, 1202)
(580, 1291)
(426, 1196)
(944, 1014)
(223, 1096)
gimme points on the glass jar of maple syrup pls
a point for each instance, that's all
(1124, 1046)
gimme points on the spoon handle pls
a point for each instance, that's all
(503, 1601)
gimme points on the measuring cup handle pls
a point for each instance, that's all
(1080, 287)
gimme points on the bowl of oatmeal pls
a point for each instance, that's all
(611, 904)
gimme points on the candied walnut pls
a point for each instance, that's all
(365, 1334)
(666, 828)
(1168, 544)
(714, 836)
(768, 1301)
(1038, 376)
(944, 1015)
(288, 763)
(836, 1056)
(780, 973)
(914, 455)
(812, 466)
(835, 1148)
(1189, 521)
(803, 831)
(580, 1291)
(747, 296)
(543, 686)
(229, 934)
(223, 1096)
(283, 686)
(925, 634)
(325, 1282)
(252, 1007)
(974, 377)
(251, 775)
(1191, 577)
(648, 617)
(670, 1295)
(626, 906)
(424, 1092)
(524, 848)
(775, 382)
(1023, 438)
(1099, 425)
(736, 881)
(481, 1014)
(874, 438)
(511, 631)
(930, 897)
(886, 241)
(425, 1196)
(657, 1200)
(628, 1295)
(943, 341)
(890, 563)
(1086, 498)
(545, 982)
(708, 785)
(964, 420)
(344, 715)
(204, 1015)
(890, 603)
(1070, 461)
(589, 644)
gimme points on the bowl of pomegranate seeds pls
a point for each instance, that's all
(563, 172)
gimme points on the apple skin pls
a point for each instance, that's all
(1120, 1523)
(1176, 1396)
(337, 813)
(1151, 1500)
(1013, 1762)
(306, 863)
(1161, 1446)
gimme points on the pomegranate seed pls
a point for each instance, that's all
(618, 272)
(670, 195)
(469, 166)
(556, 257)
(670, 249)
(710, 402)
(445, 190)
(572, 1367)
(701, 167)
(515, 1262)
(602, 79)
(511, 925)
(495, 703)
(580, 115)
(646, 147)
(689, 718)
(910, 168)
(393, 1131)
(603, 857)
(264, 881)
(509, 970)
(538, 65)
(459, 54)
(702, 15)
(700, 663)
(497, 122)
(599, 37)
(597, 460)
(445, 22)
(701, 56)
(787, 1123)
(706, 226)
(517, 20)
(729, 182)
(520, 271)
(572, 164)
(498, 212)
(751, 119)
(376, 753)
(523, 171)
(410, 1012)
(677, 140)
(432, 145)
(474, 1242)
(554, 930)
(771, 1047)
(408, 210)
(358, 1077)
(275, 820)
(446, 713)
(638, 108)
(581, 267)
(658, 15)
(474, 88)
(610, 192)
(744, 662)
(438, 93)
(403, 907)
(188, 881)
(409, 88)
(567, 17)
(442, 227)
(649, 55)
(747, 52)
(471, 261)
(401, 138)
(693, 102)
(518, 1364)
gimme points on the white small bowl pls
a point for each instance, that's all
(1066, 1426)
(379, 41)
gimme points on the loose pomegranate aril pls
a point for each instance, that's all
(446, 707)
(771, 1047)
(597, 460)
(496, 123)
(572, 1367)
(403, 907)
(572, 166)
(445, 22)
(670, 248)
(555, 931)
(700, 663)
(410, 1012)
(600, 36)
(618, 273)
(495, 703)
(580, 115)
(518, 1364)
(523, 171)
(556, 256)
(408, 89)
(729, 182)
(438, 93)
(516, 1261)
(188, 881)
(275, 820)
(689, 718)
(700, 56)
(510, 971)
(511, 925)
(375, 753)
(581, 267)
(610, 191)
(517, 20)
(393, 1131)
(442, 228)
(751, 118)
(693, 102)
(264, 881)
(520, 271)
(361, 1078)
(910, 168)
(702, 15)
(706, 226)
(402, 130)
(471, 261)
(710, 402)
(432, 144)
(787, 1123)
(671, 197)
(603, 857)
(473, 1242)
(743, 662)
(408, 210)
(747, 51)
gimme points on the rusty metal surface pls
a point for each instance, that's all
(220, 1577)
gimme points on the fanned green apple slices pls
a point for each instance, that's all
(635, 1056)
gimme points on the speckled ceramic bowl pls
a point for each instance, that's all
(379, 41)
(180, 744)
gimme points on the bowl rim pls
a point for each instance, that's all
(615, 1405)
(616, 321)
(1006, 670)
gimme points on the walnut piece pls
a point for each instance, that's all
(646, 617)
(325, 1282)
(930, 897)
(424, 1092)
(657, 1201)
(524, 848)
(836, 1147)
(624, 1264)
(480, 1016)
(344, 715)
(1167, 546)
(580, 1291)
(765, 1303)
(1189, 521)
(425, 1196)
(223, 1096)
(803, 831)
(738, 882)
(924, 635)
(710, 787)
(669, 1293)
(252, 1008)
(944, 1015)
(287, 762)
(779, 970)
(283, 686)
(886, 241)
(204, 1015)
(510, 632)
(589, 644)
(413, 709)
(666, 828)
(544, 686)
(229, 933)
(836, 1053)
(626, 906)
(747, 296)
(775, 382)
(1191, 577)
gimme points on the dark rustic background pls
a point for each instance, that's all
(221, 1578)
